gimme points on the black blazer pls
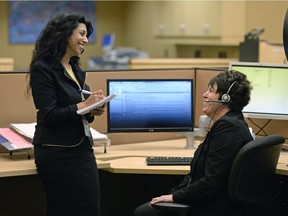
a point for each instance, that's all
(206, 184)
(55, 97)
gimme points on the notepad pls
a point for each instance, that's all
(95, 105)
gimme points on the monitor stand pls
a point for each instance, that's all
(204, 122)
(189, 138)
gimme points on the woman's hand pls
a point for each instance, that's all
(98, 111)
(93, 98)
(163, 198)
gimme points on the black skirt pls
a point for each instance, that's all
(70, 179)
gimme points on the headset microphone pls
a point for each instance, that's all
(225, 97)
(217, 101)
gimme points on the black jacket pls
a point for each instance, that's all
(206, 184)
(55, 97)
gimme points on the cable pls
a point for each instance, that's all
(260, 128)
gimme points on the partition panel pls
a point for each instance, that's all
(16, 108)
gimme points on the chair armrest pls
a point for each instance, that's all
(179, 208)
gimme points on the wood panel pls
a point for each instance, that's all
(6, 64)
(179, 63)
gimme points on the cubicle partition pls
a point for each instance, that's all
(16, 108)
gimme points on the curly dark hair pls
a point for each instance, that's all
(51, 44)
(239, 92)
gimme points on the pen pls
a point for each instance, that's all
(85, 92)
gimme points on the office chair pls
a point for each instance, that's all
(252, 176)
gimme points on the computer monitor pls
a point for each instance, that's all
(151, 105)
(269, 95)
(108, 42)
(285, 34)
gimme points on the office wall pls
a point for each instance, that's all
(269, 15)
(109, 18)
(132, 22)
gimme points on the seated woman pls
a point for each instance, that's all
(205, 187)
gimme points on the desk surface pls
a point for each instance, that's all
(128, 158)
(19, 165)
(131, 158)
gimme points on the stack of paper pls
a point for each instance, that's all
(27, 131)
(13, 141)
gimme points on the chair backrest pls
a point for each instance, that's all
(252, 175)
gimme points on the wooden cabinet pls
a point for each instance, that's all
(188, 19)
(206, 22)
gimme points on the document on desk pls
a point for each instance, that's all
(15, 141)
(97, 136)
(95, 105)
(24, 129)
(27, 130)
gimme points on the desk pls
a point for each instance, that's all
(122, 170)
(282, 167)
(18, 164)
(130, 158)
(129, 174)
(127, 158)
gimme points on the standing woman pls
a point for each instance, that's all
(62, 142)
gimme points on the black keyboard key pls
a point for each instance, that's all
(170, 161)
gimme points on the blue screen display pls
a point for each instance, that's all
(150, 105)
(108, 42)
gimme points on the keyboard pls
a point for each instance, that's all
(168, 161)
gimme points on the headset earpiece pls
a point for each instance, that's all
(226, 97)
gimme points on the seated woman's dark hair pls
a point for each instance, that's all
(239, 92)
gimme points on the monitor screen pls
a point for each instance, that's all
(108, 41)
(150, 105)
(269, 95)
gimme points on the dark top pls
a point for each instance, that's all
(207, 181)
(55, 96)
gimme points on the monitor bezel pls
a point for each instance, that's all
(152, 130)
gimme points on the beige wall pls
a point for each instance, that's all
(132, 22)
(269, 15)
(109, 18)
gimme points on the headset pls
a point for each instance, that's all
(225, 97)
